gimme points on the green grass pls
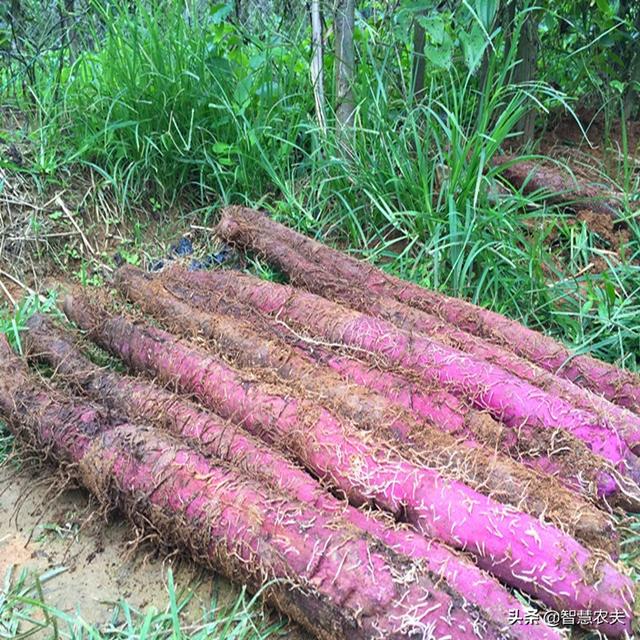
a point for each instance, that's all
(21, 602)
(6, 443)
(631, 548)
(25, 613)
(12, 323)
(13, 319)
(168, 110)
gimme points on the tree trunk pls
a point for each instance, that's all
(525, 69)
(344, 66)
(317, 64)
(419, 63)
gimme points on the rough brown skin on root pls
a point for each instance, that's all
(240, 343)
(621, 423)
(250, 228)
(571, 459)
(558, 184)
(513, 401)
(554, 452)
(318, 280)
(538, 558)
(141, 400)
(231, 524)
(246, 339)
(571, 456)
(486, 470)
(531, 442)
(214, 437)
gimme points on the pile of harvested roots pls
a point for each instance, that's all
(385, 461)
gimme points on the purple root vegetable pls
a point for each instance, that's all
(213, 436)
(486, 470)
(283, 247)
(333, 579)
(539, 559)
(509, 399)
(317, 279)
(554, 452)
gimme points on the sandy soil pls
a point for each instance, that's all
(39, 532)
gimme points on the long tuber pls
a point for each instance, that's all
(215, 437)
(251, 228)
(334, 580)
(488, 471)
(508, 398)
(525, 553)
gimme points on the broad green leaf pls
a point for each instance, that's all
(441, 56)
(473, 45)
(256, 61)
(434, 27)
(587, 306)
(604, 6)
(221, 147)
(241, 92)
(618, 86)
